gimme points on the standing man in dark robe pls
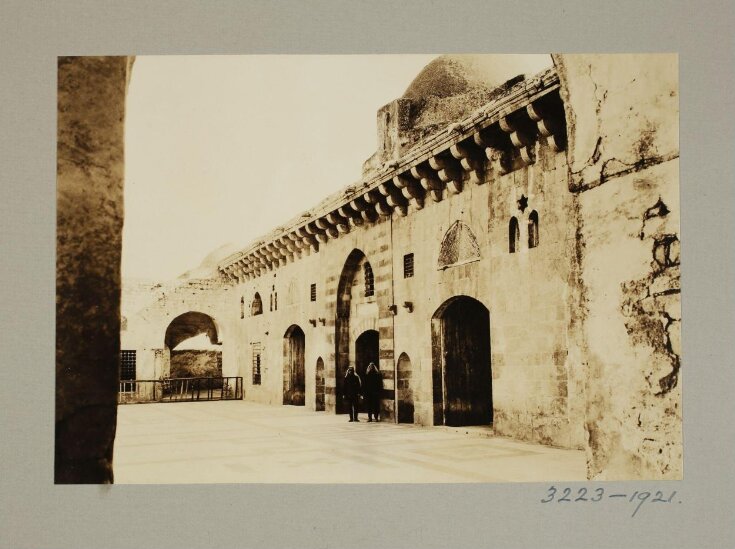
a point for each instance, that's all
(352, 387)
(372, 389)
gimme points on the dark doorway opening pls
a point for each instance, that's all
(461, 370)
(367, 350)
(320, 385)
(404, 390)
(294, 378)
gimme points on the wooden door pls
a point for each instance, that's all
(466, 366)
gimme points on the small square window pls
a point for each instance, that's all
(408, 266)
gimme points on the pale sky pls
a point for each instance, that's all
(222, 149)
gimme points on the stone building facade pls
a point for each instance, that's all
(509, 258)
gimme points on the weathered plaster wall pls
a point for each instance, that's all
(91, 113)
(622, 117)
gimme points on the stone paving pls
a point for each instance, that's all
(238, 441)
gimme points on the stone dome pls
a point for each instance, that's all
(451, 75)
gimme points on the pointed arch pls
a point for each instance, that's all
(458, 246)
(350, 288)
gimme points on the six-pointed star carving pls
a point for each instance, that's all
(523, 203)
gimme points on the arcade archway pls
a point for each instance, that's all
(192, 346)
(357, 313)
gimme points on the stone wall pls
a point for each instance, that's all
(147, 320)
(526, 292)
(622, 119)
(91, 114)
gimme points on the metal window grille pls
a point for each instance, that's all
(369, 280)
(257, 352)
(313, 292)
(127, 370)
(408, 266)
(219, 364)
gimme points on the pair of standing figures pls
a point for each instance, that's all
(370, 388)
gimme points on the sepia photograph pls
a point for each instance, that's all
(446, 268)
(326, 274)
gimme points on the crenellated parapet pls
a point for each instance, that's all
(500, 137)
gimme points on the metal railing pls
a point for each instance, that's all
(179, 389)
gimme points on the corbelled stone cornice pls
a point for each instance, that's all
(500, 136)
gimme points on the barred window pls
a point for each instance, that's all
(313, 292)
(127, 370)
(219, 364)
(257, 353)
(369, 280)
(408, 266)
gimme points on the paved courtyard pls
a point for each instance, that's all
(237, 441)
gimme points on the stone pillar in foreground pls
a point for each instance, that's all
(90, 133)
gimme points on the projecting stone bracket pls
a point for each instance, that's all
(550, 128)
(410, 189)
(520, 137)
(433, 186)
(471, 161)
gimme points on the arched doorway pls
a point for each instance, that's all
(366, 351)
(404, 390)
(319, 386)
(357, 313)
(462, 379)
(192, 347)
(294, 378)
